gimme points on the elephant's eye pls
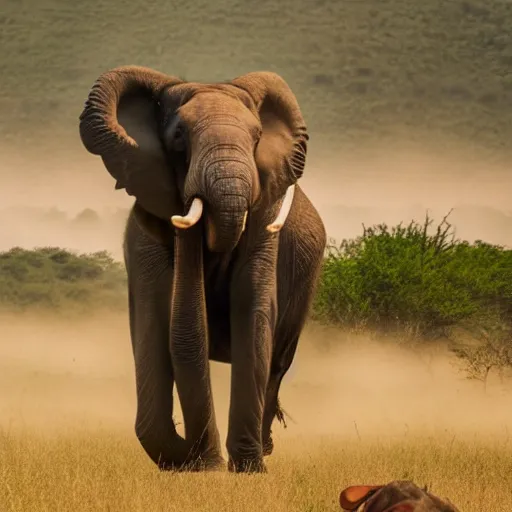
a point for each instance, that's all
(178, 139)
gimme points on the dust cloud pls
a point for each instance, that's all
(62, 375)
(381, 185)
(56, 374)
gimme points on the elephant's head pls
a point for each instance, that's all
(220, 151)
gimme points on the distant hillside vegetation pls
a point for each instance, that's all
(53, 279)
(361, 69)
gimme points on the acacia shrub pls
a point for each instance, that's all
(413, 277)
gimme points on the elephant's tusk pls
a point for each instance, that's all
(283, 212)
(192, 217)
(244, 222)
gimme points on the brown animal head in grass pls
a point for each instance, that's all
(397, 496)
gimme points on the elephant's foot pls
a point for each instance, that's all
(247, 466)
(268, 447)
(172, 466)
(194, 464)
(209, 463)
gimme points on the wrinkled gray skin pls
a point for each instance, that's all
(396, 496)
(213, 291)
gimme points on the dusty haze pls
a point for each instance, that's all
(384, 186)
(57, 375)
(60, 375)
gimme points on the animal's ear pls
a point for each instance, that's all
(283, 142)
(353, 496)
(120, 122)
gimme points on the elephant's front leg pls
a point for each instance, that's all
(149, 282)
(253, 319)
(189, 352)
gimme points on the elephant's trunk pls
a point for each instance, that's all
(223, 174)
(223, 234)
(189, 344)
(228, 188)
(225, 222)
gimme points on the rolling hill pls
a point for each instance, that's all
(366, 70)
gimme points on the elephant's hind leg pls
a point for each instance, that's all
(301, 248)
(280, 365)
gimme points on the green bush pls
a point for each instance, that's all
(54, 279)
(408, 277)
(400, 278)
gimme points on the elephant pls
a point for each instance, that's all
(396, 496)
(222, 248)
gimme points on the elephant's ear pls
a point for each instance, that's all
(283, 143)
(120, 122)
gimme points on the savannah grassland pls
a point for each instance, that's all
(376, 392)
(408, 104)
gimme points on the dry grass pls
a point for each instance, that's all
(361, 411)
(93, 471)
